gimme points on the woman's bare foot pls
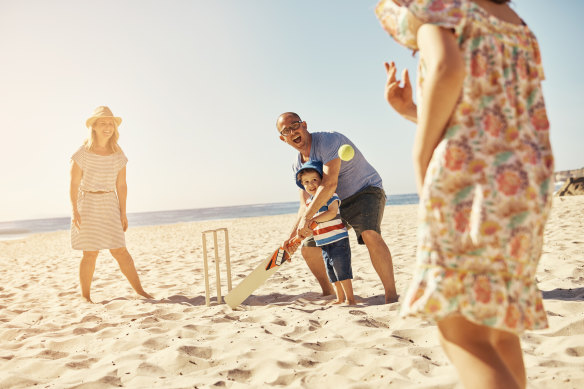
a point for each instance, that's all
(144, 294)
(87, 298)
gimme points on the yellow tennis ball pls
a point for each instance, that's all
(346, 152)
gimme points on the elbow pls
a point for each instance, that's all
(330, 183)
(418, 156)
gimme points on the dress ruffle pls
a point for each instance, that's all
(494, 300)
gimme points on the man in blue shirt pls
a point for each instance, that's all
(357, 184)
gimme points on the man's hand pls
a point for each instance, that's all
(291, 245)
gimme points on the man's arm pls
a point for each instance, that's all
(293, 232)
(325, 191)
(301, 211)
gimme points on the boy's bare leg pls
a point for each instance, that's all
(340, 293)
(86, 270)
(127, 267)
(313, 258)
(348, 288)
(479, 364)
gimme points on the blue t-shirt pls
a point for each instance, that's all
(354, 175)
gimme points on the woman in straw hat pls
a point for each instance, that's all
(98, 198)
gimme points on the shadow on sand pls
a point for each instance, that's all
(576, 294)
(306, 301)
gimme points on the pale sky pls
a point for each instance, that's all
(200, 83)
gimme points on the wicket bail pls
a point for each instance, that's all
(217, 272)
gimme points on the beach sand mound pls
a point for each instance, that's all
(285, 334)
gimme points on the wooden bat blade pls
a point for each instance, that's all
(250, 283)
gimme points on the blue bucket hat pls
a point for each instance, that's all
(315, 165)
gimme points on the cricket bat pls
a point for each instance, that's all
(259, 275)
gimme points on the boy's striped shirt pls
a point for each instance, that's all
(332, 230)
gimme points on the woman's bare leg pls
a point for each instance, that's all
(86, 270)
(509, 349)
(479, 363)
(127, 267)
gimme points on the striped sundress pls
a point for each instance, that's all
(101, 226)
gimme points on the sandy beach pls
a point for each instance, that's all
(286, 334)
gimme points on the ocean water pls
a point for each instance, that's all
(20, 228)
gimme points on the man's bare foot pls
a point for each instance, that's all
(391, 298)
(328, 292)
(351, 302)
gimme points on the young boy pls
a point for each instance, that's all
(330, 234)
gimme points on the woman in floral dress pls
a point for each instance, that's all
(484, 165)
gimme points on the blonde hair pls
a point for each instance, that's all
(112, 143)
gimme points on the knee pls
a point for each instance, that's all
(89, 256)
(118, 252)
(370, 236)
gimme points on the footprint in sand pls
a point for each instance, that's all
(239, 375)
(279, 322)
(199, 352)
(81, 364)
(370, 322)
(147, 369)
(156, 343)
(575, 351)
(331, 345)
(51, 354)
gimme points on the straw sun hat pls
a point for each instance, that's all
(102, 112)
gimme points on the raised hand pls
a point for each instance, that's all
(400, 97)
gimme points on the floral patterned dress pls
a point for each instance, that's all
(487, 191)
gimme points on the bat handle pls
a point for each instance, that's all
(297, 239)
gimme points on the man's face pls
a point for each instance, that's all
(293, 131)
